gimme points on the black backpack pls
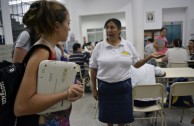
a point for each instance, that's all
(11, 75)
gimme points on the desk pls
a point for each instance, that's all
(186, 72)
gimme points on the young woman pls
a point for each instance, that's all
(160, 42)
(50, 20)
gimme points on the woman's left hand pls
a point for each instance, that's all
(156, 55)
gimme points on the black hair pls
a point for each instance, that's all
(115, 21)
(150, 40)
(163, 28)
(177, 42)
(89, 43)
(192, 40)
(76, 46)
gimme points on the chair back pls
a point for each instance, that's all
(181, 89)
(148, 91)
(178, 64)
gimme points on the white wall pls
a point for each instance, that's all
(80, 8)
(173, 14)
(98, 21)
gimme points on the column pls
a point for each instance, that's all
(138, 26)
(6, 20)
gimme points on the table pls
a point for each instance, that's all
(186, 72)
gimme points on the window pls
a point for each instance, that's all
(95, 34)
(123, 32)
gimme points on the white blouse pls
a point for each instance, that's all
(113, 63)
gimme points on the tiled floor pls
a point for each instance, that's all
(83, 115)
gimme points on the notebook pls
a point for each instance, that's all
(54, 77)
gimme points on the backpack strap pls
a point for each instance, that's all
(34, 47)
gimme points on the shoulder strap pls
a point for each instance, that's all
(34, 47)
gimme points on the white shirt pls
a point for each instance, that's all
(145, 75)
(177, 54)
(23, 41)
(113, 63)
(149, 49)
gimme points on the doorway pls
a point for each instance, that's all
(174, 31)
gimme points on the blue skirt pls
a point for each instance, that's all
(115, 102)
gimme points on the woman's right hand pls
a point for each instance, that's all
(95, 94)
(75, 92)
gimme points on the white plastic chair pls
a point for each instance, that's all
(181, 89)
(150, 91)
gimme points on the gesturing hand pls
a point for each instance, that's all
(156, 55)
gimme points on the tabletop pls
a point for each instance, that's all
(186, 72)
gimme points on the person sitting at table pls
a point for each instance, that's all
(140, 76)
(79, 58)
(176, 54)
(190, 49)
(149, 49)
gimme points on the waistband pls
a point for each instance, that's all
(120, 82)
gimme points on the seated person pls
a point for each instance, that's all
(149, 48)
(190, 47)
(79, 58)
(140, 76)
(177, 53)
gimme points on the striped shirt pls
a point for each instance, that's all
(80, 59)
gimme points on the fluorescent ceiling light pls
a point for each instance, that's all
(20, 1)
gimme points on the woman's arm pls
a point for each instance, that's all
(93, 73)
(19, 54)
(143, 61)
